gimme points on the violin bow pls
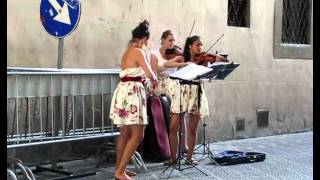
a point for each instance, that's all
(214, 43)
(194, 21)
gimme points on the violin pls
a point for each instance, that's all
(175, 51)
(205, 58)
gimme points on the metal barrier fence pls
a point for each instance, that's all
(50, 105)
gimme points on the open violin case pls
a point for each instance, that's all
(237, 157)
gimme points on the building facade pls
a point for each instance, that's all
(271, 92)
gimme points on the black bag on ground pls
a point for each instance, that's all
(237, 157)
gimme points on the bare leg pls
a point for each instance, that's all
(125, 133)
(122, 140)
(174, 125)
(184, 146)
(137, 132)
(193, 126)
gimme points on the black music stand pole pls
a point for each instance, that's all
(206, 147)
(180, 157)
(217, 73)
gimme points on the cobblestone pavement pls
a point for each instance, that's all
(288, 156)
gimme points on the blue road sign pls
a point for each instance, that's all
(60, 17)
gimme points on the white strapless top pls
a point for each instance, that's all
(161, 61)
(132, 72)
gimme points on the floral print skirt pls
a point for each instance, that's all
(170, 88)
(190, 100)
(188, 94)
(128, 104)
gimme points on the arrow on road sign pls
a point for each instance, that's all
(63, 12)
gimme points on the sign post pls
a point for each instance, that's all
(60, 18)
(60, 53)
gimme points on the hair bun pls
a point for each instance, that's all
(144, 25)
(141, 31)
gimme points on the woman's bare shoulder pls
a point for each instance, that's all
(134, 50)
(130, 52)
(133, 55)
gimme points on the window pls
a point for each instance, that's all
(293, 29)
(239, 13)
(240, 124)
(262, 117)
(295, 22)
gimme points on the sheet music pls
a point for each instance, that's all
(190, 72)
(221, 63)
(218, 63)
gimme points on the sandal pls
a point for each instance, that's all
(169, 162)
(192, 162)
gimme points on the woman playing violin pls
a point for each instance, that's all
(190, 96)
(194, 53)
(164, 65)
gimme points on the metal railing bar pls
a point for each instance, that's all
(92, 101)
(102, 113)
(73, 109)
(62, 108)
(27, 122)
(51, 102)
(27, 140)
(28, 105)
(102, 103)
(83, 116)
(34, 114)
(111, 93)
(64, 140)
(40, 109)
(17, 106)
(76, 132)
(25, 69)
(47, 116)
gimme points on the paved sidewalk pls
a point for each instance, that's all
(288, 156)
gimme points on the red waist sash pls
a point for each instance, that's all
(128, 78)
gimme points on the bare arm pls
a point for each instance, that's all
(159, 66)
(154, 63)
(142, 61)
(177, 61)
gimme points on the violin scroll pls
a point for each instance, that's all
(175, 51)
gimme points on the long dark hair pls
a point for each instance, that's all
(141, 31)
(186, 50)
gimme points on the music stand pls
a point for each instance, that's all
(180, 157)
(219, 72)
